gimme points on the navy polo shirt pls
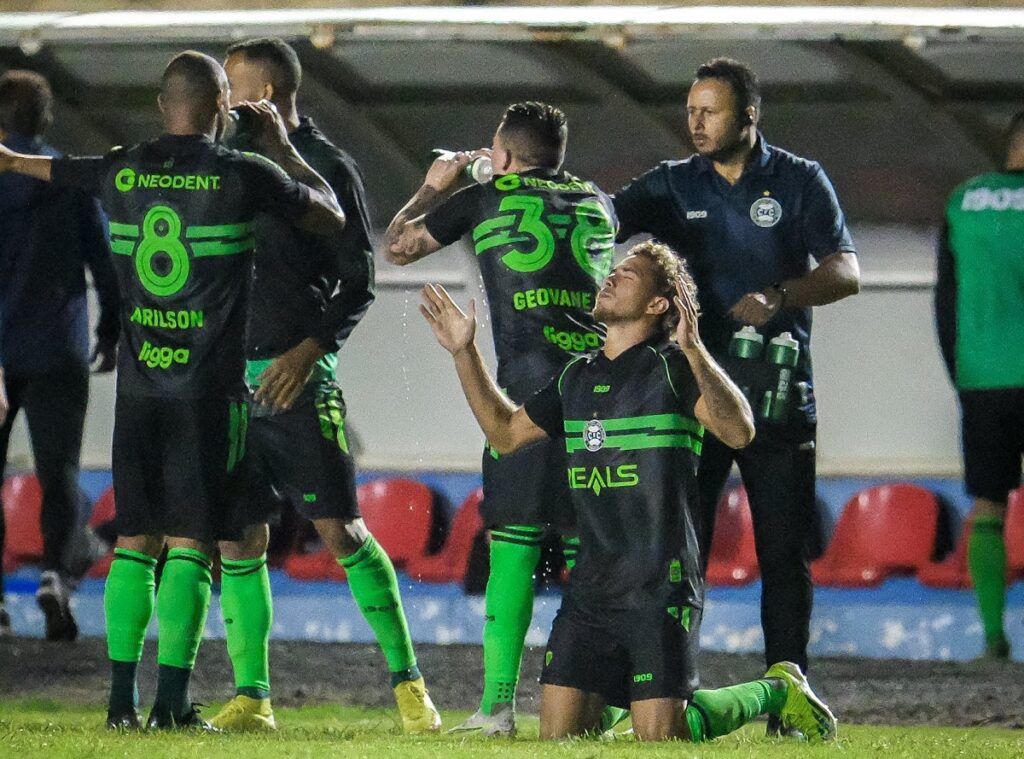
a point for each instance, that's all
(741, 238)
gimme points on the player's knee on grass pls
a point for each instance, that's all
(660, 719)
(567, 712)
(342, 537)
(151, 545)
(253, 545)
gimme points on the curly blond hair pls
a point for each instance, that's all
(669, 269)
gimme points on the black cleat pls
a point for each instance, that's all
(125, 721)
(162, 719)
(54, 598)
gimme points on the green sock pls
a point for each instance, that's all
(986, 559)
(515, 551)
(248, 615)
(181, 606)
(374, 586)
(570, 549)
(128, 599)
(714, 713)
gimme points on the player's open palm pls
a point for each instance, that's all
(453, 328)
(686, 332)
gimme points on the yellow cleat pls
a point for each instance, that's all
(245, 715)
(419, 715)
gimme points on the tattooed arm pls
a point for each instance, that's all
(407, 238)
(721, 406)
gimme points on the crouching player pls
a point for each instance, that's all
(632, 416)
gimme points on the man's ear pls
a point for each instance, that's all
(160, 102)
(268, 92)
(659, 305)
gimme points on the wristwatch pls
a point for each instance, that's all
(783, 293)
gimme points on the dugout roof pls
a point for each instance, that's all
(898, 104)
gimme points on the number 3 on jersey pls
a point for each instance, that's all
(591, 238)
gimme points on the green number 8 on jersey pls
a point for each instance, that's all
(161, 241)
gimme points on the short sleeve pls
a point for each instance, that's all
(85, 173)
(545, 410)
(272, 190)
(455, 216)
(684, 384)
(823, 221)
(638, 204)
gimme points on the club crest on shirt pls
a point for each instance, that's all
(766, 212)
(594, 435)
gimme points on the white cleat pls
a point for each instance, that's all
(501, 724)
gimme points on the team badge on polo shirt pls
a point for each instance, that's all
(766, 212)
(594, 435)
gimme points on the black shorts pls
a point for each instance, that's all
(624, 655)
(175, 465)
(300, 456)
(992, 429)
(528, 487)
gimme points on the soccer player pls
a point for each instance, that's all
(308, 295)
(543, 239)
(747, 217)
(49, 236)
(632, 416)
(979, 312)
(181, 211)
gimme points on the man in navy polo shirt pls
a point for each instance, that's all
(747, 217)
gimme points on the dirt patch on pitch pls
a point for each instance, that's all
(859, 690)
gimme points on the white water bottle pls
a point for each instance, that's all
(479, 169)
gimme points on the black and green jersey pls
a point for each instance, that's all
(181, 211)
(305, 286)
(544, 243)
(633, 444)
(979, 297)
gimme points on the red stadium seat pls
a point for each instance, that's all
(449, 564)
(103, 510)
(399, 513)
(883, 531)
(951, 572)
(23, 502)
(1014, 532)
(733, 559)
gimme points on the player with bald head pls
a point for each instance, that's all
(181, 211)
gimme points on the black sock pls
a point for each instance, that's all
(124, 694)
(172, 690)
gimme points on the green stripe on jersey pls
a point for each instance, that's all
(656, 422)
(222, 247)
(635, 433)
(123, 230)
(122, 247)
(219, 230)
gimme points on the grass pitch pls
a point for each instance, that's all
(44, 728)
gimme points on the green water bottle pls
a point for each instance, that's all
(783, 352)
(746, 343)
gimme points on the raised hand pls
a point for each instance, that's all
(453, 328)
(446, 170)
(270, 134)
(687, 334)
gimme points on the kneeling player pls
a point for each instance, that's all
(633, 416)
